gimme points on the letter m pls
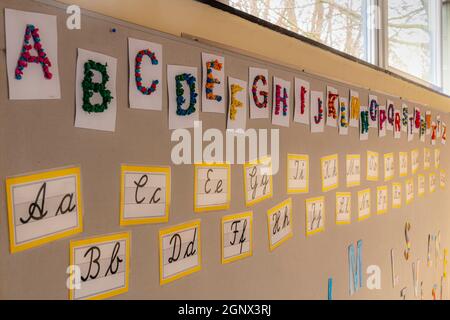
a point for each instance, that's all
(355, 267)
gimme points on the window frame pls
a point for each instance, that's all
(445, 46)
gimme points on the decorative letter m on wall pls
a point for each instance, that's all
(355, 267)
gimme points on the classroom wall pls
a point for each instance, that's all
(39, 135)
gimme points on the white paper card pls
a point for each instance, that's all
(438, 126)
(373, 111)
(442, 178)
(426, 158)
(213, 90)
(428, 121)
(315, 215)
(237, 109)
(355, 104)
(302, 101)
(390, 114)
(179, 251)
(398, 127)
(332, 106)
(298, 173)
(363, 204)
(353, 170)
(212, 187)
(182, 119)
(279, 219)
(43, 207)
(258, 181)
(382, 121)
(433, 133)
(409, 188)
(403, 163)
(146, 193)
(421, 184)
(105, 120)
(432, 182)
(396, 195)
(372, 166)
(259, 93)
(414, 160)
(423, 128)
(330, 172)
(317, 112)
(363, 131)
(281, 110)
(147, 58)
(103, 264)
(410, 128)
(437, 158)
(405, 117)
(416, 120)
(343, 207)
(389, 166)
(382, 199)
(343, 116)
(236, 236)
(33, 85)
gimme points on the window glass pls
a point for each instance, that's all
(413, 35)
(338, 23)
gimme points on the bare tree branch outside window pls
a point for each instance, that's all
(409, 37)
(339, 24)
(336, 23)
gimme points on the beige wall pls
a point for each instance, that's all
(191, 17)
(39, 135)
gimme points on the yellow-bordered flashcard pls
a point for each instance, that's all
(363, 204)
(353, 170)
(437, 158)
(237, 236)
(343, 207)
(372, 166)
(409, 190)
(432, 182)
(279, 223)
(403, 164)
(297, 173)
(414, 160)
(389, 166)
(43, 207)
(144, 194)
(179, 251)
(212, 187)
(420, 185)
(330, 172)
(257, 180)
(315, 215)
(105, 266)
(382, 199)
(396, 195)
(426, 158)
(442, 179)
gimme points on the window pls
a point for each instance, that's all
(413, 38)
(339, 24)
(408, 37)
